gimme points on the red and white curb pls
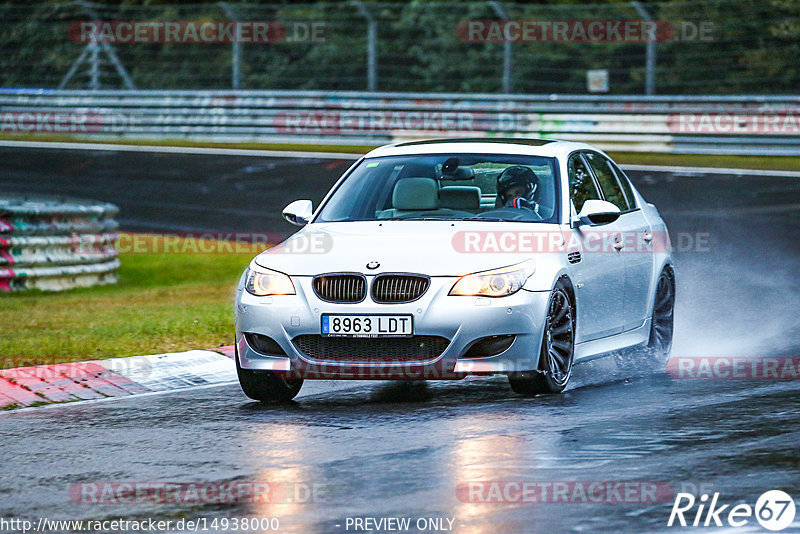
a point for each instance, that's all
(117, 377)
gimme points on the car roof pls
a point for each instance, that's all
(490, 145)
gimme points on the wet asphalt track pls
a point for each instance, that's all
(387, 449)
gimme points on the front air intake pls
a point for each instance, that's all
(264, 344)
(341, 288)
(399, 288)
(371, 350)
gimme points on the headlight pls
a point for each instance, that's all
(262, 282)
(495, 283)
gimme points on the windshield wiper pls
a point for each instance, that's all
(492, 219)
(489, 219)
(418, 219)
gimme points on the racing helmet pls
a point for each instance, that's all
(513, 177)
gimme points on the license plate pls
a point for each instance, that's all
(367, 325)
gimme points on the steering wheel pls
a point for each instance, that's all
(511, 214)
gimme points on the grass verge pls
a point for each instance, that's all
(292, 147)
(771, 163)
(163, 302)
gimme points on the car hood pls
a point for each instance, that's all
(435, 248)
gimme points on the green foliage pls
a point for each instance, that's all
(752, 48)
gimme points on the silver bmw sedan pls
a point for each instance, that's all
(436, 260)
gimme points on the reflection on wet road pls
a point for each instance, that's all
(395, 449)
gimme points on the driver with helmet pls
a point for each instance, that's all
(517, 187)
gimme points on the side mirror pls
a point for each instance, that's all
(299, 212)
(596, 212)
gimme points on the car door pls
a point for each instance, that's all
(637, 237)
(598, 270)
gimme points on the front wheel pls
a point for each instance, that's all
(265, 386)
(557, 351)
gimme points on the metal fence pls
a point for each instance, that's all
(723, 124)
(698, 47)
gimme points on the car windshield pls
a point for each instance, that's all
(486, 187)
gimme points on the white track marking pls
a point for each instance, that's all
(180, 150)
(711, 170)
(336, 155)
(57, 405)
(177, 370)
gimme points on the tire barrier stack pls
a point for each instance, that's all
(54, 244)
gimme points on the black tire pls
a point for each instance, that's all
(265, 386)
(663, 324)
(557, 351)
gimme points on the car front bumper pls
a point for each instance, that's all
(461, 320)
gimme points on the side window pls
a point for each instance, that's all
(626, 186)
(581, 185)
(607, 179)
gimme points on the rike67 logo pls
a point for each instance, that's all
(774, 510)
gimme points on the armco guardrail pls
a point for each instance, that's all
(55, 244)
(712, 124)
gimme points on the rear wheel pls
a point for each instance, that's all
(557, 351)
(266, 386)
(662, 325)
